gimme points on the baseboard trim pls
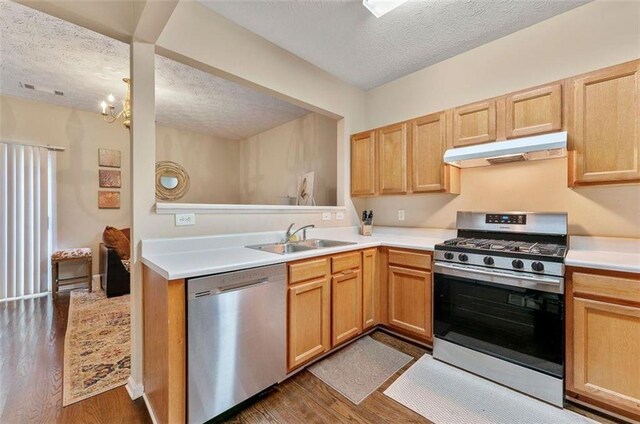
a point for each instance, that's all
(150, 409)
(134, 389)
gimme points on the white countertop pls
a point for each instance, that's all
(187, 257)
(613, 254)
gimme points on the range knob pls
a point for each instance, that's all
(448, 255)
(463, 257)
(537, 266)
(517, 264)
(488, 260)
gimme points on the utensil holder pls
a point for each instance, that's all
(366, 230)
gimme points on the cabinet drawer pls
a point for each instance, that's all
(346, 261)
(303, 271)
(411, 259)
(625, 289)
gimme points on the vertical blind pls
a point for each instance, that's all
(25, 202)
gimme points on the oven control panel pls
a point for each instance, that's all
(517, 219)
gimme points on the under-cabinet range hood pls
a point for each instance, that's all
(547, 146)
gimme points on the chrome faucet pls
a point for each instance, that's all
(289, 235)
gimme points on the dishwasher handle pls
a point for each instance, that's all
(218, 284)
(239, 286)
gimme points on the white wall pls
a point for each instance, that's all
(80, 222)
(211, 162)
(272, 161)
(587, 38)
(203, 39)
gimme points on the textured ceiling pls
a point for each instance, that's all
(345, 39)
(39, 49)
(198, 101)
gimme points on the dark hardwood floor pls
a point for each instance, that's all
(31, 347)
(31, 357)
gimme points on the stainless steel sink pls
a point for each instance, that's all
(298, 246)
(321, 243)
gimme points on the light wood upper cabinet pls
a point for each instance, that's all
(474, 124)
(607, 352)
(428, 144)
(369, 288)
(410, 293)
(309, 326)
(346, 303)
(392, 159)
(605, 126)
(363, 164)
(533, 112)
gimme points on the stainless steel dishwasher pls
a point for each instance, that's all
(236, 346)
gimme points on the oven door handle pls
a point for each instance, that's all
(542, 283)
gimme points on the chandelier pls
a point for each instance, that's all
(108, 109)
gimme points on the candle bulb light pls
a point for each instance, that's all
(108, 108)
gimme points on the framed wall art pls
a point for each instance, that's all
(109, 178)
(109, 158)
(108, 199)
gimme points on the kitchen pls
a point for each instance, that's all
(509, 296)
(547, 155)
(453, 239)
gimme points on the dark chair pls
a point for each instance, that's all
(114, 276)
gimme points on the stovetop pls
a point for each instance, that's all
(496, 245)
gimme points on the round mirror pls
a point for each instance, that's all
(172, 181)
(169, 181)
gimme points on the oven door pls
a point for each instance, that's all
(515, 317)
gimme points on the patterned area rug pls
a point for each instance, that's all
(97, 354)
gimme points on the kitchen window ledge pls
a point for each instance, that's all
(201, 208)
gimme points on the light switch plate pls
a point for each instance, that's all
(400, 214)
(183, 219)
(339, 216)
(326, 216)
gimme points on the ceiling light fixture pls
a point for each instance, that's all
(107, 108)
(380, 7)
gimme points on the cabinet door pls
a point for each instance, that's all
(428, 143)
(606, 353)
(309, 321)
(410, 300)
(363, 164)
(606, 124)
(369, 288)
(534, 112)
(346, 296)
(474, 124)
(392, 163)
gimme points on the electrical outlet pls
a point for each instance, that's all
(183, 219)
(326, 216)
(339, 216)
(400, 214)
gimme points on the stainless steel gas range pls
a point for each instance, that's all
(499, 300)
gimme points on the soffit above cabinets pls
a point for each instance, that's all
(47, 52)
(345, 39)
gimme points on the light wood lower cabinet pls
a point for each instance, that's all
(369, 288)
(410, 293)
(603, 346)
(346, 306)
(309, 329)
